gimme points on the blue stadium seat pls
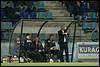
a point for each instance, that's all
(95, 36)
(2, 13)
(2, 35)
(33, 15)
(6, 35)
(21, 14)
(24, 15)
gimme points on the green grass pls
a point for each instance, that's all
(53, 64)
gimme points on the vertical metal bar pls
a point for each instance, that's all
(73, 42)
(9, 44)
(80, 35)
(21, 39)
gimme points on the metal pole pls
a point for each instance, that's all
(73, 42)
(9, 44)
(21, 39)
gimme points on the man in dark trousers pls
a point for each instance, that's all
(29, 47)
(40, 56)
(63, 43)
(50, 47)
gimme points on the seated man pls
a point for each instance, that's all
(16, 46)
(50, 47)
(40, 56)
(28, 47)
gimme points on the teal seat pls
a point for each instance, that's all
(9, 25)
(88, 26)
(40, 4)
(92, 15)
(6, 25)
(41, 15)
(84, 26)
(94, 25)
(45, 15)
(95, 36)
(49, 15)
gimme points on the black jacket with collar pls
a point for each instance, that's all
(61, 37)
(49, 44)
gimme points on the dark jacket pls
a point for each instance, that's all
(49, 44)
(28, 45)
(61, 37)
(37, 46)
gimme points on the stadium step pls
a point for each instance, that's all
(54, 8)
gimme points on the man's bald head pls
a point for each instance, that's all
(62, 27)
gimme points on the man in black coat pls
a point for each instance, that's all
(29, 47)
(50, 47)
(50, 42)
(63, 43)
(40, 56)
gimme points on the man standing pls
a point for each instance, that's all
(63, 43)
